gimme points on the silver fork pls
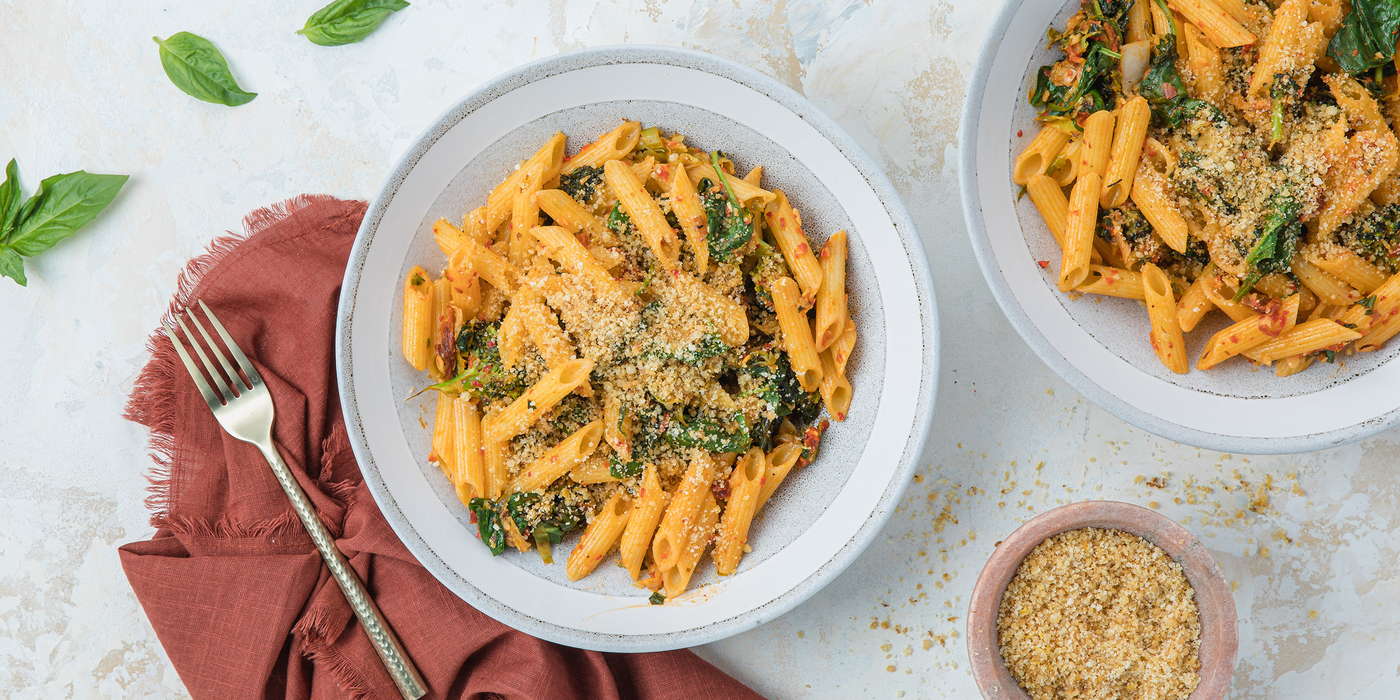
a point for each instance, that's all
(243, 406)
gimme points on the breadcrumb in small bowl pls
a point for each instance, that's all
(1051, 612)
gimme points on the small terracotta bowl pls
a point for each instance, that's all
(1219, 626)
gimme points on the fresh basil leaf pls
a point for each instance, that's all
(347, 21)
(10, 197)
(1366, 38)
(12, 266)
(200, 71)
(62, 205)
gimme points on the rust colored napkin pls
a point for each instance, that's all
(232, 583)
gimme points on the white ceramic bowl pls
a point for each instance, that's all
(1099, 344)
(822, 517)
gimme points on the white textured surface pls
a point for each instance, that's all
(1319, 582)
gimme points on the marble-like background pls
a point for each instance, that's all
(1316, 574)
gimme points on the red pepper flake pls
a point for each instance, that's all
(720, 488)
(1043, 263)
(1019, 134)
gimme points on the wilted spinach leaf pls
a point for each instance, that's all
(1367, 36)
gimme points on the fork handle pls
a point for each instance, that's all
(391, 652)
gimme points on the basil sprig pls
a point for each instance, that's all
(62, 205)
(347, 21)
(200, 71)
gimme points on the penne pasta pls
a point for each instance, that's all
(1304, 338)
(676, 578)
(599, 537)
(1039, 154)
(568, 214)
(1083, 217)
(594, 470)
(1248, 334)
(1096, 146)
(1050, 200)
(1195, 303)
(646, 515)
(1347, 267)
(418, 318)
(444, 435)
(786, 226)
(1203, 59)
(537, 400)
(780, 462)
(831, 295)
(796, 335)
(1114, 282)
(1370, 157)
(501, 201)
(1149, 193)
(610, 146)
(672, 535)
(1127, 148)
(745, 486)
(745, 191)
(1161, 309)
(1218, 26)
(465, 282)
(560, 459)
(469, 459)
(835, 390)
(645, 213)
(1323, 284)
(841, 349)
(690, 214)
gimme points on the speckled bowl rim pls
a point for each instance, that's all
(1219, 618)
(881, 187)
(1002, 292)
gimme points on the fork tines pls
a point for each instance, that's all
(226, 386)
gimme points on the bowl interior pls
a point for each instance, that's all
(1219, 640)
(806, 494)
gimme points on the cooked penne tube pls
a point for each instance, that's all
(745, 486)
(796, 335)
(1097, 144)
(501, 201)
(1220, 298)
(1290, 39)
(1248, 334)
(492, 267)
(1139, 21)
(573, 217)
(474, 227)
(1150, 195)
(497, 474)
(729, 318)
(755, 176)
(1383, 319)
(1127, 149)
(835, 390)
(780, 461)
(564, 248)
(677, 577)
(645, 213)
(1203, 58)
(466, 283)
(1161, 309)
(1195, 303)
(610, 146)
(1114, 282)
(690, 214)
(537, 400)
(1347, 267)
(511, 337)
(444, 339)
(560, 459)
(744, 190)
(1308, 337)
(646, 514)
(671, 535)
(1083, 217)
(1039, 154)
(841, 349)
(1369, 159)
(1289, 366)
(525, 215)
(449, 238)
(469, 460)
(1218, 26)
(594, 470)
(617, 426)
(599, 537)
(1065, 168)
(418, 318)
(1323, 284)
(1163, 22)
(786, 226)
(1053, 205)
(543, 326)
(831, 295)
(1361, 109)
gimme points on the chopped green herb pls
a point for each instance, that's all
(657, 598)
